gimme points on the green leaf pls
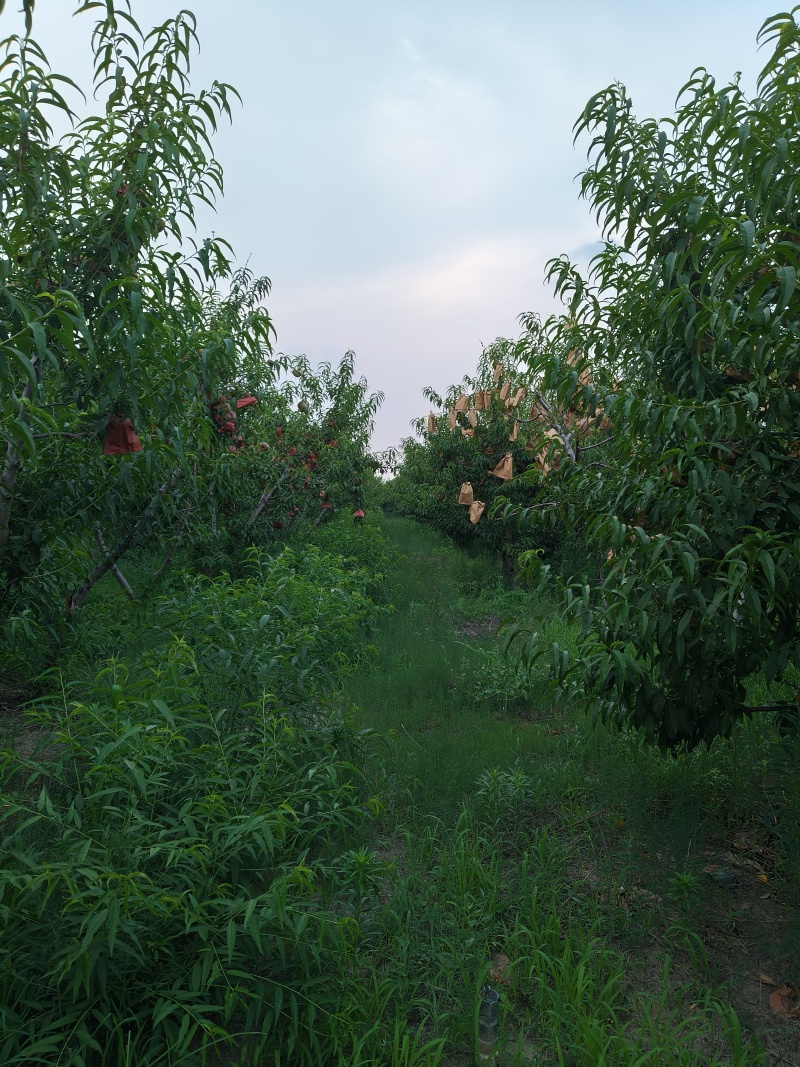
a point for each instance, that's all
(788, 279)
(747, 232)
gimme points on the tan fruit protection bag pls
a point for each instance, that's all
(505, 468)
(476, 510)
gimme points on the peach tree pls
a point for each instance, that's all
(109, 315)
(687, 331)
(295, 458)
(473, 426)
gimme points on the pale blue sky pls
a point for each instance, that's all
(403, 170)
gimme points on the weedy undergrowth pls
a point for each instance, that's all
(161, 894)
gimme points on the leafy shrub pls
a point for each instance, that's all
(288, 630)
(500, 682)
(169, 884)
(507, 799)
(361, 544)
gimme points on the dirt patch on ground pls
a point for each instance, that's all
(750, 929)
(16, 730)
(478, 628)
(11, 699)
(738, 929)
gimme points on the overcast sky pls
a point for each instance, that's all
(403, 169)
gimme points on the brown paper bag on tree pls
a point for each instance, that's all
(517, 400)
(431, 423)
(466, 495)
(514, 431)
(487, 399)
(505, 468)
(505, 389)
(462, 403)
(467, 432)
(498, 372)
(121, 437)
(473, 418)
(451, 419)
(478, 400)
(476, 510)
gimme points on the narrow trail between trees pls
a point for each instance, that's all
(440, 688)
(620, 902)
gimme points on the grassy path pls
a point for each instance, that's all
(440, 689)
(585, 875)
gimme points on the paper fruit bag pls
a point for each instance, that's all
(476, 510)
(505, 468)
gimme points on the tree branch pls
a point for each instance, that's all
(60, 433)
(112, 566)
(558, 428)
(173, 548)
(81, 593)
(597, 444)
(266, 496)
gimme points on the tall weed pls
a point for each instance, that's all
(162, 887)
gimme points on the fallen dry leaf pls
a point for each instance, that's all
(783, 1001)
(497, 971)
(765, 978)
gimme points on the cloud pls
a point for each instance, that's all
(435, 136)
(585, 252)
(423, 321)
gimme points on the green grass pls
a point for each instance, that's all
(573, 868)
(424, 690)
(584, 857)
